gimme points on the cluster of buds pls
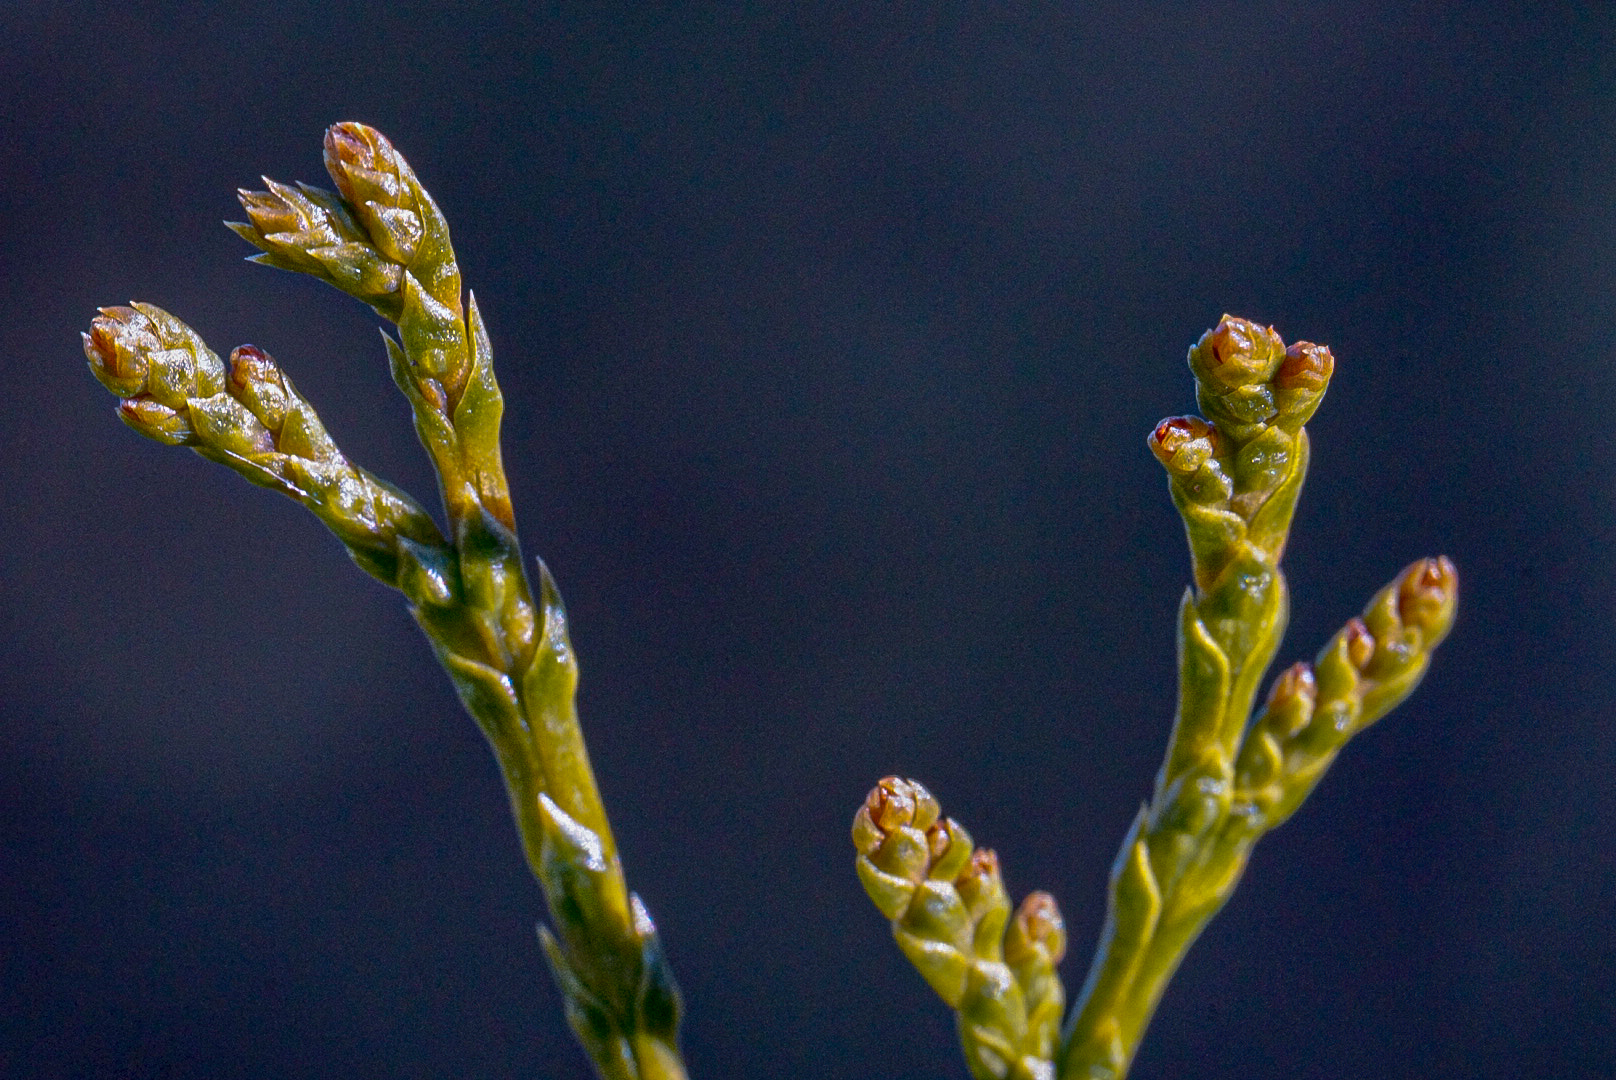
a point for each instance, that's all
(1235, 474)
(1034, 946)
(312, 231)
(951, 917)
(1365, 670)
(380, 238)
(1191, 450)
(1248, 380)
(250, 417)
(157, 365)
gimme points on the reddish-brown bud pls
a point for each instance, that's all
(1183, 443)
(142, 350)
(1238, 352)
(1360, 643)
(157, 421)
(982, 889)
(362, 162)
(256, 381)
(1306, 367)
(271, 214)
(117, 346)
(250, 364)
(893, 804)
(1036, 928)
(376, 180)
(950, 847)
(1427, 595)
(1295, 682)
(983, 867)
(1291, 700)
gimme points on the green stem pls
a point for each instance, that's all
(1146, 936)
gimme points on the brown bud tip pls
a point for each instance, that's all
(1295, 682)
(269, 213)
(117, 346)
(349, 144)
(256, 381)
(1306, 367)
(250, 364)
(896, 802)
(1291, 700)
(377, 183)
(1427, 596)
(949, 848)
(157, 421)
(982, 889)
(1038, 922)
(1183, 443)
(984, 866)
(1360, 643)
(362, 162)
(1239, 352)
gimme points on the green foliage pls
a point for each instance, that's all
(1227, 778)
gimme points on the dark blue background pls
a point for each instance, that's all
(831, 335)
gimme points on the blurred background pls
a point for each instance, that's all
(831, 335)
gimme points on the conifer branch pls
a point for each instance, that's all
(1226, 779)
(950, 915)
(381, 238)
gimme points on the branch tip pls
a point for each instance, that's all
(1306, 367)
